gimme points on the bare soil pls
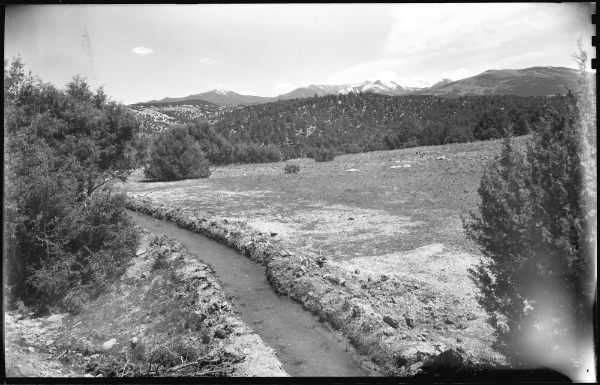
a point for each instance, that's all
(393, 235)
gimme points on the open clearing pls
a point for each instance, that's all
(377, 223)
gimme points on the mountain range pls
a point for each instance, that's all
(534, 81)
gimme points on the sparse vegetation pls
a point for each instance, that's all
(354, 220)
(291, 169)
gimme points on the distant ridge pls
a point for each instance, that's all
(219, 97)
(193, 102)
(534, 81)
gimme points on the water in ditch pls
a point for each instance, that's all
(305, 346)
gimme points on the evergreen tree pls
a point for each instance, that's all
(66, 233)
(536, 279)
(176, 155)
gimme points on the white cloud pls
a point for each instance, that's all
(142, 50)
(445, 28)
(386, 75)
(283, 86)
(456, 35)
(458, 74)
(209, 61)
(453, 40)
(248, 92)
(369, 70)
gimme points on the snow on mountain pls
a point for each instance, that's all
(389, 84)
(377, 86)
(389, 87)
(400, 86)
(327, 88)
(459, 74)
(539, 81)
(221, 92)
(415, 82)
(382, 86)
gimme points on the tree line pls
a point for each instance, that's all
(363, 122)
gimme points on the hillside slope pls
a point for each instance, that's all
(218, 97)
(156, 116)
(535, 81)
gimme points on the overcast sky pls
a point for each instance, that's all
(144, 52)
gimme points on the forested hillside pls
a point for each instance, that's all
(345, 123)
(369, 122)
(155, 116)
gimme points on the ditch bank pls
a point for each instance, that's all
(324, 291)
(166, 316)
(306, 347)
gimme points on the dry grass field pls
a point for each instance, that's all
(375, 211)
(377, 223)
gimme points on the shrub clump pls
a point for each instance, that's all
(291, 169)
(537, 280)
(323, 154)
(66, 232)
(175, 155)
(254, 153)
(218, 150)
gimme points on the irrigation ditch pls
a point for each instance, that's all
(305, 346)
(322, 291)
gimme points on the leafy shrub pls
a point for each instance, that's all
(257, 154)
(536, 281)
(218, 150)
(143, 144)
(176, 155)
(66, 230)
(92, 245)
(289, 152)
(491, 124)
(138, 352)
(291, 169)
(323, 154)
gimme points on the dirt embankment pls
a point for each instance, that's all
(402, 341)
(166, 316)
